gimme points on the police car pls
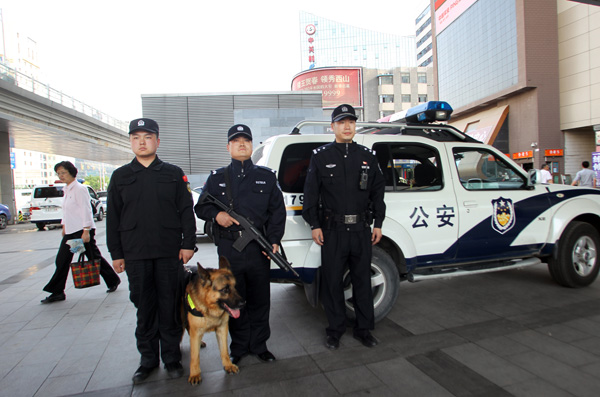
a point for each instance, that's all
(455, 206)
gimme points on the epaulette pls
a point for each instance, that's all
(262, 167)
(321, 148)
(218, 171)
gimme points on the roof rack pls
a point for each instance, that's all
(434, 131)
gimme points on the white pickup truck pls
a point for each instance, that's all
(455, 206)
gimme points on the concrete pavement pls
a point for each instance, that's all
(499, 334)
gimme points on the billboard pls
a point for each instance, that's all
(338, 85)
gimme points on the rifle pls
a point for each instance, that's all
(249, 233)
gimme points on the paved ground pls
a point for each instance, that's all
(509, 333)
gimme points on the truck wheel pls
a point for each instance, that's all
(576, 261)
(100, 215)
(40, 225)
(385, 283)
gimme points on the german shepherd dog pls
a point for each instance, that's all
(210, 298)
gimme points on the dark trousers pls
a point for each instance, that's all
(64, 257)
(249, 332)
(154, 290)
(347, 250)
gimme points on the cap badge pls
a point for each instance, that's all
(344, 109)
(141, 123)
(240, 128)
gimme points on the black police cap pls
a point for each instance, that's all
(143, 124)
(343, 112)
(239, 130)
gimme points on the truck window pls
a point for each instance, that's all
(409, 167)
(480, 169)
(294, 165)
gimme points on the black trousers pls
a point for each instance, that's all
(64, 257)
(347, 250)
(154, 290)
(249, 332)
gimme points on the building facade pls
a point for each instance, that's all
(520, 75)
(193, 127)
(327, 43)
(424, 38)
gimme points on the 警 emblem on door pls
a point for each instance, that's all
(503, 218)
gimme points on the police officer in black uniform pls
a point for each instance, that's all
(151, 230)
(253, 192)
(343, 195)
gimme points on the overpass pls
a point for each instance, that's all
(34, 116)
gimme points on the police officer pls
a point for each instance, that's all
(343, 194)
(151, 230)
(253, 192)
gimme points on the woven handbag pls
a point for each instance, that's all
(85, 273)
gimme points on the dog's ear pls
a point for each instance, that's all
(224, 263)
(203, 273)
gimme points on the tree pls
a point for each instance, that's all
(96, 182)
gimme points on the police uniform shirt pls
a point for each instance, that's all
(334, 176)
(256, 196)
(151, 212)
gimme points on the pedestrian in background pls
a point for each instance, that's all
(585, 176)
(151, 233)
(546, 176)
(253, 192)
(343, 195)
(77, 222)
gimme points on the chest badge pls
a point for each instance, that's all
(330, 165)
(503, 218)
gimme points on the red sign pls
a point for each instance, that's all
(338, 85)
(523, 155)
(553, 152)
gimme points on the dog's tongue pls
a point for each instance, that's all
(235, 313)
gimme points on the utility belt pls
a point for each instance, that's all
(332, 219)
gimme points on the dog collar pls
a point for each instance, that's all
(191, 308)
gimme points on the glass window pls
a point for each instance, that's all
(422, 78)
(480, 169)
(409, 167)
(422, 98)
(48, 192)
(384, 80)
(405, 77)
(386, 99)
(406, 98)
(294, 165)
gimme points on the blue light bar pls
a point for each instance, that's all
(428, 112)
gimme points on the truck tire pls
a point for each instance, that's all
(576, 261)
(40, 225)
(385, 283)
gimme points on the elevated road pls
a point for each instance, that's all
(34, 122)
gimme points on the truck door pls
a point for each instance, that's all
(495, 206)
(419, 199)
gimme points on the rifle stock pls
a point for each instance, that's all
(249, 234)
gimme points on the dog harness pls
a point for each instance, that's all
(190, 307)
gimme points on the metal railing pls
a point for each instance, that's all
(44, 90)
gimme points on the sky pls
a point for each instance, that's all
(108, 53)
